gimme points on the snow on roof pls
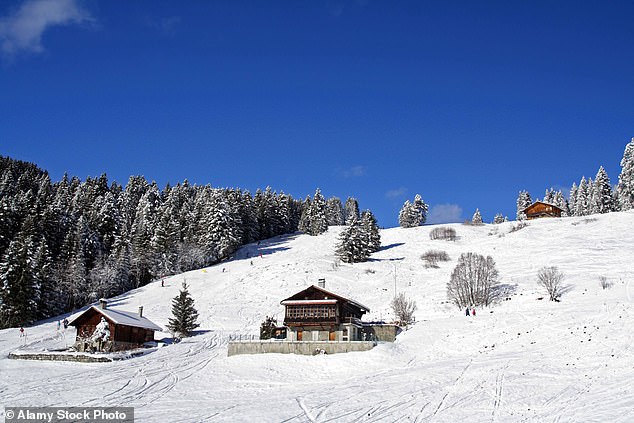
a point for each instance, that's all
(305, 302)
(126, 318)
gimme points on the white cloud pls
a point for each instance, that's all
(22, 30)
(444, 213)
(355, 171)
(395, 193)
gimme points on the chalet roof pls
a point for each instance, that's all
(307, 302)
(542, 202)
(125, 318)
(299, 297)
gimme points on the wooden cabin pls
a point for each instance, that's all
(540, 209)
(126, 330)
(315, 314)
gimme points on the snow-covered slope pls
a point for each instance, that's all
(522, 360)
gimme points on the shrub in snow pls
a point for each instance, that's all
(404, 309)
(267, 328)
(443, 233)
(605, 283)
(432, 257)
(473, 282)
(552, 279)
(520, 225)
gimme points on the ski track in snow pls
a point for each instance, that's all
(523, 360)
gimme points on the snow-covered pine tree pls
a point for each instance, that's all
(572, 200)
(616, 203)
(561, 202)
(407, 216)
(19, 287)
(318, 223)
(249, 218)
(421, 207)
(334, 212)
(523, 200)
(304, 220)
(549, 196)
(50, 299)
(626, 178)
(184, 314)
(165, 240)
(477, 218)
(602, 193)
(143, 256)
(283, 215)
(582, 204)
(412, 215)
(371, 228)
(351, 210)
(353, 243)
(499, 218)
(222, 237)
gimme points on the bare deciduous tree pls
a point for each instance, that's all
(552, 279)
(404, 309)
(473, 281)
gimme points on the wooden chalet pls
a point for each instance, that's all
(127, 330)
(315, 314)
(540, 209)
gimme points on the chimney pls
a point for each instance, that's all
(321, 283)
(103, 304)
(141, 311)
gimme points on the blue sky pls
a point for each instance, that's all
(465, 103)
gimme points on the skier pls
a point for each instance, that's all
(467, 312)
(65, 323)
(162, 283)
(22, 332)
(473, 312)
(59, 324)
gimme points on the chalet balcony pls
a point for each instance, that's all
(310, 321)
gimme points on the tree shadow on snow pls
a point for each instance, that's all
(387, 247)
(390, 259)
(264, 247)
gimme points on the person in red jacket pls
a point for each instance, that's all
(473, 312)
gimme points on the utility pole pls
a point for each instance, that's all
(394, 280)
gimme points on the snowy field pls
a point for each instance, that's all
(522, 360)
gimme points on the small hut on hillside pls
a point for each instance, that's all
(104, 329)
(540, 209)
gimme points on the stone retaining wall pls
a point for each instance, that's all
(297, 347)
(81, 358)
(78, 358)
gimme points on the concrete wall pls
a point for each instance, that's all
(294, 347)
(382, 332)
